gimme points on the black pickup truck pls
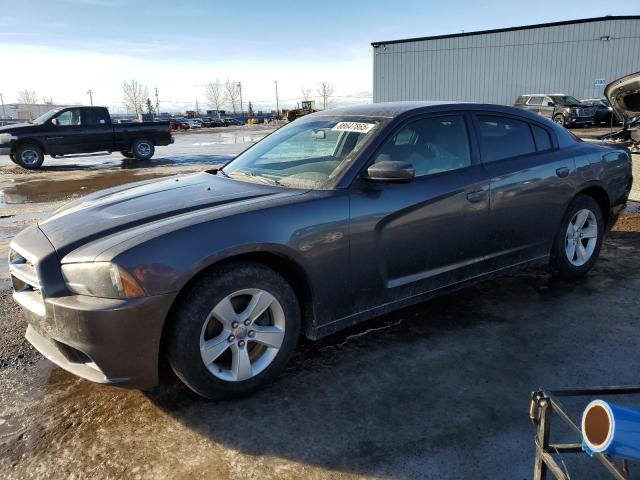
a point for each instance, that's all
(71, 130)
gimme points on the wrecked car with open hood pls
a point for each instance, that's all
(624, 96)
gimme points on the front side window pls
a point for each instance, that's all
(503, 137)
(308, 153)
(430, 145)
(69, 118)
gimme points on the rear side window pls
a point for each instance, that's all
(502, 137)
(94, 116)
(535, 101)
(542, 138)
(521, 100)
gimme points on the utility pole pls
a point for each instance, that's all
(277, 103)
(4, 113)
(240, 89)
(90, 92)
(157, 103)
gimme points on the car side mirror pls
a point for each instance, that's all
(54, 121)
(391, 171)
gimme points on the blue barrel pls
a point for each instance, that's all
(611, 429)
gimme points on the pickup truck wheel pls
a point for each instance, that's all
(233, 331)
(559, 119)
(29, 156)
(143, 149)
(579, 238)
(126, 153)
(12, 157)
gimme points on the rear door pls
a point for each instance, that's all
(409, 238)
(531, 182)
(98, 130)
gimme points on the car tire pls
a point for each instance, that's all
(12, 157)
(126, 153)
(576, 248)
(29, 156)
(197, 328)
(143, 149)
(559, 119)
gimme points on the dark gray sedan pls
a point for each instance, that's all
(338, 217)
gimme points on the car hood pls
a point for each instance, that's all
(624, 96)
(126, 207)
(14, 127)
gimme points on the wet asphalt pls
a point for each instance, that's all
(440, 390)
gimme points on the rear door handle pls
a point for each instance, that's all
(562, 172)
(475, 197)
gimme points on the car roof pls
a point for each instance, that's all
(396, 109)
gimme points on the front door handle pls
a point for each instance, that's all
(475, 197)
(562, 172)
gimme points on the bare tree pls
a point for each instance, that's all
(135, 96)
(306, 93)
(325, 91)
(47, 101)
(232, 94)
(28, 97)
(215, 93)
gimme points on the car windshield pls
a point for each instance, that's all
(46, 116)
(307, 153)
(566, 100)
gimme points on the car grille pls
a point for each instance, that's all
(26, 285)
(584, 112)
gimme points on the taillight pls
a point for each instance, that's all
(170, 129)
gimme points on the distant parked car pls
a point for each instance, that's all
(563, 109)
(217, 122)
(603, 113)
(232, 121)
(194, 123)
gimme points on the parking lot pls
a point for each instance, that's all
(440, 390)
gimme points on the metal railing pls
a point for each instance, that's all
(543, 405)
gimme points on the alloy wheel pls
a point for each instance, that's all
(144, 149)
(581, 237)
(29, 157)
(242, 334)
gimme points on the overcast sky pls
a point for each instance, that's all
(61, 48)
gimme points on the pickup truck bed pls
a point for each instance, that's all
(72, 130)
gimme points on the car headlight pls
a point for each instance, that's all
(101, 279)
(5, 137)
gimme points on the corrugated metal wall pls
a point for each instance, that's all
(497, 67)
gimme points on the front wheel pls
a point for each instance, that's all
(579, 239)
(143, 149)
(560, 120)
(29, 156)
(233, 331)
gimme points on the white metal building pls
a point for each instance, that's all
(577, 57)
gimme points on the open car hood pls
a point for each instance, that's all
(624, 96)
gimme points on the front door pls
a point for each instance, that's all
(67, 133)
(410, 238)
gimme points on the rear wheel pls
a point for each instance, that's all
(234, 330)
(29, 156)
(579, 239)
(143, 149)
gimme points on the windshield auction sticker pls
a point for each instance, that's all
(358, 127)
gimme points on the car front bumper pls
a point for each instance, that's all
(102, 340)
(581, 120)
(5, 150)
(110, 341)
